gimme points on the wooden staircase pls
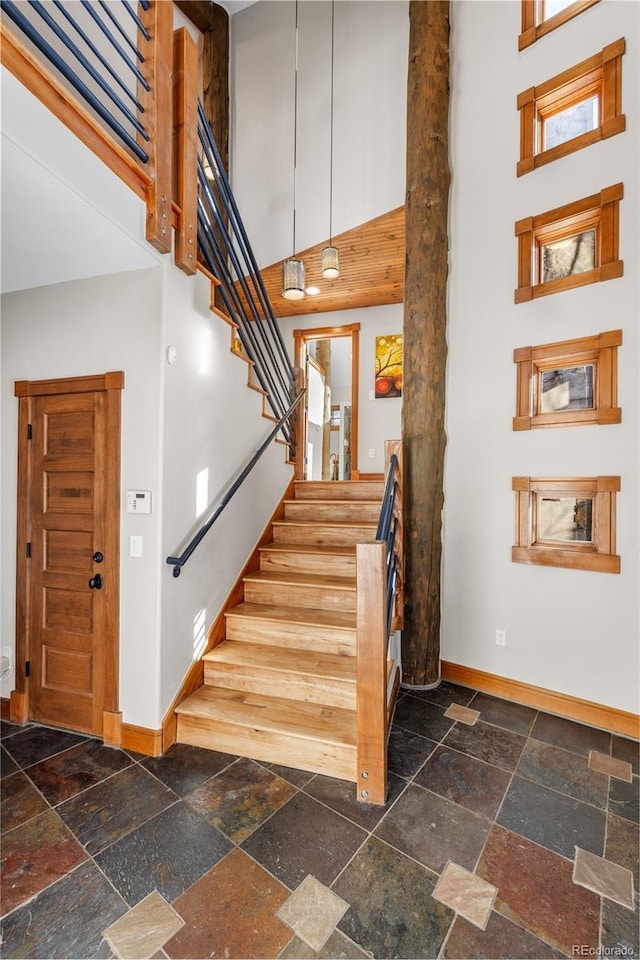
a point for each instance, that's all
(281, 687)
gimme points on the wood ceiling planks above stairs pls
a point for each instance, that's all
(294, 635)
(371, 270)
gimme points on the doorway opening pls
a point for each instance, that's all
(328, 427)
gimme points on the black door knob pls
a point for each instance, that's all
(97, 557)
(96, 582)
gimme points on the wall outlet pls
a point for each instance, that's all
(501, 638)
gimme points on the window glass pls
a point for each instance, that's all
(575, 120)
(551, 7)
(565, 518)
(569, 388)
(566, 257)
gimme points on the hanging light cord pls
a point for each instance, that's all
(333, 9)
(295, 131)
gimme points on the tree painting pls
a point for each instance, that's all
(388, 366)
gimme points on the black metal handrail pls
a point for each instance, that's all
(84, 67)
(387, 530)
(224, 248)
(199, 531)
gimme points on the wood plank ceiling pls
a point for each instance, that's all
(371, 270)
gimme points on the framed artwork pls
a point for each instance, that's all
(388, 381)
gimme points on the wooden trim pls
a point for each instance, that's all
(45, 86)
(141, 740)
(112, 728)
(371, 673)
(532, 29)
(563, 704)
(598, 554)
(157, 103)
(600, 76)
(23, 530)
(114, 380)
(185, 148)
(5, 708)
(599, 350)
(194, 677)
(599, 212)
(371, 476)
(19, 707)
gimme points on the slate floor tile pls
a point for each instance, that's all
(502, 713)
(183, 767)
(167, 854)
(551, 819)
(623, 748)
(434, 830)
(423, 717)
(7, 764)
(536, 891)
(38, 743)
(382, 917)
(563, 771)
(66, 920)
(337, 947)
(297, 777)
(141, 932)
(240, 798)
(312, 912)
(576, 737)
(485, 742)
(604, 877)
(466, 894)
(445, 694)
(407, 752)
(20, 802)
(620, 931)
(107, 812)
(304, 837)
(230, 912)
(474, 784)
(624, 799)
(35, 855)
(340, 795)
(7, 729)
(461, 714)
(610, 766)
(502, 940)
(623, 845)
(68, 773)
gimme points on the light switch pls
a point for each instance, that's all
(372, 453)
(135, 546)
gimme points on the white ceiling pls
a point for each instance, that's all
(64, 215)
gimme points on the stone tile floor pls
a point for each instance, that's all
(524, 826)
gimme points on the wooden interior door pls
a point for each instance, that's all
(72, 552)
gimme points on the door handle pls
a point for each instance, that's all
(97, 557)
(96, 582)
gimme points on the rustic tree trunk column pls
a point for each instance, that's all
(425, 345)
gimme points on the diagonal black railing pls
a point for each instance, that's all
(224, 248)
(199, 531)
(388, 527)
(70, 36)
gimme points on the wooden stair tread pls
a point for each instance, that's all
(330, 524)
(343, 489)
(259, 712)
(302, 662)
(335, 501)
(303, 579)
(309, 616)
(327, 550)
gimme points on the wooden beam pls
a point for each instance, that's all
(371, 672)
(158, 53)
(185, 148)
(425, 345)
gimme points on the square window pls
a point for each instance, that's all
(540, 17)
(571, 122)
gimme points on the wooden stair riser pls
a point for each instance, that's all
(323, 534)
(299, 595)
(329, 692)
(316, 511)
(333, 760)
(339, 489)
(292, 561)
(340, 640)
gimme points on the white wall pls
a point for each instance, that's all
(370, 72)
(568, 630)
(378, 420)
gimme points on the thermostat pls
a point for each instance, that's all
(138, 501)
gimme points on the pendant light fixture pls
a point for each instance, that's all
(293, 287)
(330, 256)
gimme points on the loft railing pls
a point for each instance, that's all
(224, 248)
(379, 615)
(199, 531)
(104, 68)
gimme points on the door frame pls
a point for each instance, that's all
(112, 383)
(301, 338)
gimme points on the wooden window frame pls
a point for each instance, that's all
(601, 76)
(600, 350)
(533, 27)
(597, 555)
(599, 211)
